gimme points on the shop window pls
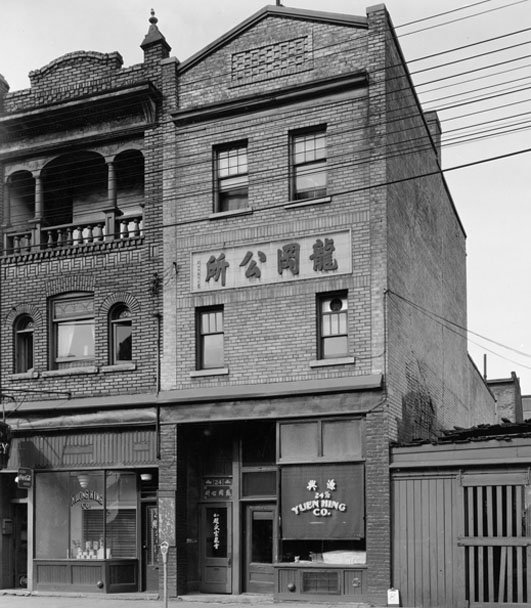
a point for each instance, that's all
(210, 338)
(121, 334)
(231, 176)
(325, 440)
(323, 514)
(308, 164)
(333, 326)
(85, 515)
(24, 326)
(323, 501)
(73, 330)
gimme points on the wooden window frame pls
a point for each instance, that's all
(233, 186)
(201, 349)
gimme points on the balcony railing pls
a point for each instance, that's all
(71, 235)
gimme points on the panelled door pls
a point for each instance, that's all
(150, 547)
(216, 548)
(259, 547)
(497, 539)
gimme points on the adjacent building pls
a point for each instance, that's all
(228, 284)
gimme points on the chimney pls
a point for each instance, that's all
(432, 120)
(4, 89)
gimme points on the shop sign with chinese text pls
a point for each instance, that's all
(308, 257)
(217, 488)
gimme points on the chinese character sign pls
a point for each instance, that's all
(321, 255)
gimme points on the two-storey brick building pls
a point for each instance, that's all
(291, 275)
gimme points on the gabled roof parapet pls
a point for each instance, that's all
(274, 11)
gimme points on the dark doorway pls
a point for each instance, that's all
(20, 539)
(150, 547)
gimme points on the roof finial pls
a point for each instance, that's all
(153, 20)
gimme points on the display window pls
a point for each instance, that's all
(86, 515)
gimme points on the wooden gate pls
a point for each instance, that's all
(497, 539)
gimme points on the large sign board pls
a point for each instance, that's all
(321, 255)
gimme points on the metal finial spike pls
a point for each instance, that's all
(153, 20)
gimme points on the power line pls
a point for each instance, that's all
(498, 8)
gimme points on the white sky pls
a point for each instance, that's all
(493, 199)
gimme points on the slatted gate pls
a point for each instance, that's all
(497, 539)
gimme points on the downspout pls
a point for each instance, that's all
(158, 317)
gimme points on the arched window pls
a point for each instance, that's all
(121, 335)
(24, 326)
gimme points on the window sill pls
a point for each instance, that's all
(70, 371)
(31, 375)
(218, 215)
(218, 371)
(118, 367)
(328, 362)
(308, 201)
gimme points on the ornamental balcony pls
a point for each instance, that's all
(74, 203)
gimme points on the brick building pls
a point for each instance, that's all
(288, 271)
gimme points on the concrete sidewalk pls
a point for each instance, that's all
(23, 599)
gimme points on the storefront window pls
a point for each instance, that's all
(52, 514)
(120, 522)
(86, 515)
(323, 513)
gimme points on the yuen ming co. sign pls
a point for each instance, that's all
(306, 257)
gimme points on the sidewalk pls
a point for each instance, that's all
(23, 599)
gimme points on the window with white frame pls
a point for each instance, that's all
(333, 325)
(210, 338)
(308, 164)
(232, 178)
(72, 330)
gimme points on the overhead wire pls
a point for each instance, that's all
(218, 73)
(492, 10)
(463, 331)
(462, 139)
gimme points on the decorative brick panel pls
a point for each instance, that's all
(272, 61)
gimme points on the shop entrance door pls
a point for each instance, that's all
(216, 548)
(21, 544)
(150, 546)
(258, 550)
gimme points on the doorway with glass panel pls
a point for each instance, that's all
(258, 540)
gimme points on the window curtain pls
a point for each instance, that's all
(323, 502)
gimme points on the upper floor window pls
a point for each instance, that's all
(333, 325)
(308, 160)
(23, 328)
(72, 329)
(232, 179)
(121, 334)
(210, 338)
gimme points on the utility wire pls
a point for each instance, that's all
(454, 324)
(498, 8)
(342, 51)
